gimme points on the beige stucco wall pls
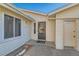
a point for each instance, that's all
(52, 30)
(72, 12)
(49, 26)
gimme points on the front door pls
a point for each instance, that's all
(42, 31)
(69, 33)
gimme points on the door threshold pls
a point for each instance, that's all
(41, 41)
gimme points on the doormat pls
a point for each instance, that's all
(40, 41)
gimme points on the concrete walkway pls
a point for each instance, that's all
(41, 49)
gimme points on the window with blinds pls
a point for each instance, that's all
(17, 27)
(12, 27)
(8, 26)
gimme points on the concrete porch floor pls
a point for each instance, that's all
(47, 49)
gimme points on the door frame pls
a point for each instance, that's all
(74, 43)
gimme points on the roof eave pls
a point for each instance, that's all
(32, 11)
(66, 7)
(11, 7)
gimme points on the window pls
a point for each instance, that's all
(8, 26)
(34, 28)
(11, 24)
(17, 27)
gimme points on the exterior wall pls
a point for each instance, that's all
(10, 44)
(72, 13)
(41, 18)
(52, 29)
(69, 13)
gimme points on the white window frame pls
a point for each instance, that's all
(13, 25)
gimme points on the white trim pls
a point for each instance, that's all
(66, 7)
(13, 25)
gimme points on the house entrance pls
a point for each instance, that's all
(42, 31)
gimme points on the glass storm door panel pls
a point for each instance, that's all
(42, 30)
